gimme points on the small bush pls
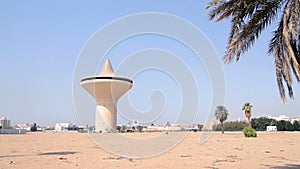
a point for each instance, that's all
(249, 132)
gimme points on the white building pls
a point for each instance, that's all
(174, 127)
(61, 126)
(280, 117)
(5, 123)
(25, 126)
(5, 127)
(285, 118)
(271, 128)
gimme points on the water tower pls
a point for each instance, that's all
(106, 89)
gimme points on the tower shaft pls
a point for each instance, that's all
(106, 117)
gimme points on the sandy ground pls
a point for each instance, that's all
(77, 150)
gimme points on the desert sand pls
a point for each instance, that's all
(77, 150)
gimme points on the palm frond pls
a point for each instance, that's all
(290, 33)
(285, 47)
(221, 113)
(246, 35)
(249, 18)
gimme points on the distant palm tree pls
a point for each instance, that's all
(249, 18)
(221, 114)
(248, 108)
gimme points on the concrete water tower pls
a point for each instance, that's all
(106, 88)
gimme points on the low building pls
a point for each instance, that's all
(280, 117)
(271, 128)
(174, 127)
(285, 118)
(155, 128)
(13, 131)
(5, 127)
(25, 126)
(4, 123)
(61, 126)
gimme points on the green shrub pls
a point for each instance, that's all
(249, 132)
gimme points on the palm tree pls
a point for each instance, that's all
(248, 108)
(249, 18)
(221, 114)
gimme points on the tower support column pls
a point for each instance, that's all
(106, 118)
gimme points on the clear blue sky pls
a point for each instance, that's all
(40, 43)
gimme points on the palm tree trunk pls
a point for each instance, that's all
(249, 121)
(248, 115)
(222, 126)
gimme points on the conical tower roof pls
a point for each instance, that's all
(107, 69)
